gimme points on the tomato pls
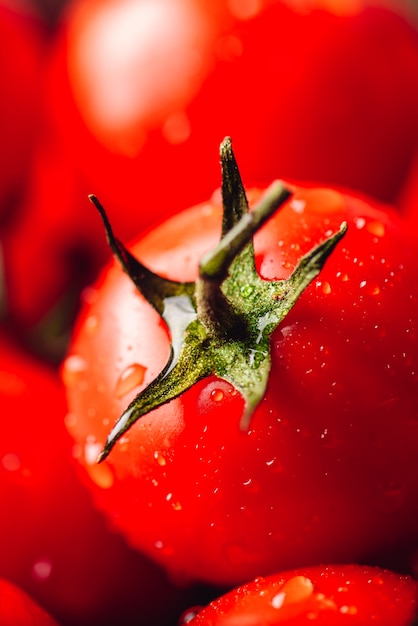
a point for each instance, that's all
(53, 543)
(16, 607)
(326, 468)
(335, 594)
(22, 55)
(305, 96)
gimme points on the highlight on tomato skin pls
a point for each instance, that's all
(331, 595)
(309, 481)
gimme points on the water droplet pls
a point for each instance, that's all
(176, 128)
(42, 569)
(372, 289)
(73, 367)
(162, 547)
(376, 228)
(188, 615)
(217, 395)
(160, 459)
(348, 610)
(91, 324)
(298, 205)
(246, 291)
(131, 377)
(360, 222)
(323, 286)
(11, 462)
(296, 590)
(101, 475)
(92, 450)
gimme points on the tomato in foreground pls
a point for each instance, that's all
(331, 595)
(324, 469)
(16, 607)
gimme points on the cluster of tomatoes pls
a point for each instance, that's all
(218, 425)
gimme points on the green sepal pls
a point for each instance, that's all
(220, 324)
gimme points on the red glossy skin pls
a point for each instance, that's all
(304, 96)
(53, 542)
(327, 469)
(22, 55)
(16, 607)
(333, 595)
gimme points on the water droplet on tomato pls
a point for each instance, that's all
(91, 324)
(160, 459)
(101, 475)
(376, 228)
(348, 610)
(188, 615)
(73, 367)
(217, 395)
(371, 288)
(296, 590)
(11, 462)
(42, 569)
(131, 377)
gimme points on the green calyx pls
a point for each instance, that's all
(221, 323)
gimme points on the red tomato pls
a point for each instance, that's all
(140, 93)
(22, 54)
(53, 543)
(16, 607)
(326, 470)
(332, 595)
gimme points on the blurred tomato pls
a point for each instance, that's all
(141, 92)
(22, 53)
(53, 543)
(16, 607)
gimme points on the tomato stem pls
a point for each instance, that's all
(221, 324)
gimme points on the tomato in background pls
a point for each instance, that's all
(326, 470)
(23, 44)
(53, 542)
(140, 93)
(325, 595)
(17, 608)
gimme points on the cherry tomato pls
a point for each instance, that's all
(16, 607)
(326, 468)
(53, 543)
(335, 594)
(137, 90)
(22, 55)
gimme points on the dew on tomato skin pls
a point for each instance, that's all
(91, 324)
(298, 205)
(73, 367)
(370, 288)
(42, 569)
(131, 377)
(297, 589)
(348, 610)
(11, 462)
(101, 475)
(160, 459)
(376, 228)
(217, 395)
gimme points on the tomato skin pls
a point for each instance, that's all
(334, 595)
(16, 607)
(326, 470)
(54, 544)
(23, 38)
(317, 108)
